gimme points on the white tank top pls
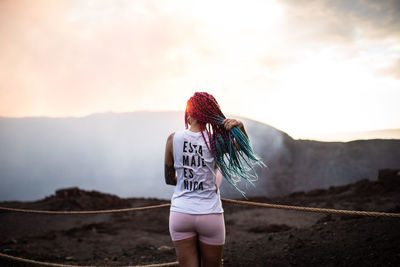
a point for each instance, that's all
(195, 190)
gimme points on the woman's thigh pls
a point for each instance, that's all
(211, 255)
(186, 252)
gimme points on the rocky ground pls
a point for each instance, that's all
(255, 236)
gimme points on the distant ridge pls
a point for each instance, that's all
(361, 135)
(123, 153)
(393, 133)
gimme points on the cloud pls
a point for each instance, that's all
(363, 33)
(344, 21)
(85, 55)
(392, 70)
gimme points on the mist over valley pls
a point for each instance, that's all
(123, 153)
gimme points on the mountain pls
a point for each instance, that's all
(349, 136)
(122, 153)
(303, 165)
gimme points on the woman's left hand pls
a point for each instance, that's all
(230, 123)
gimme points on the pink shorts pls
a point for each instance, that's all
(210, 228)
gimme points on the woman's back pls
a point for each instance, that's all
(196, 191)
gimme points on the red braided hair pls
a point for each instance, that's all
(204, 108)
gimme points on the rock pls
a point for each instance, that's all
(74, 198)
(68, 192)
(389, 178)
(164, 248)
(325, 219)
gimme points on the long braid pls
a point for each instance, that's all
(235, 161)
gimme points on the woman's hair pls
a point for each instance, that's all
(235, 160)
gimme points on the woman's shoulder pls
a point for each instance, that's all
(170, 137)
(175, 135)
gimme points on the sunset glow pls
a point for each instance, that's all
(305, 67)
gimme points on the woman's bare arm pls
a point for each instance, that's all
(169, 170)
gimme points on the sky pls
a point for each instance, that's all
(305, 67)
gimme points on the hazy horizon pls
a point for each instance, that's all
(390, 133)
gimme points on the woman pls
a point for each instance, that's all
(192, 158)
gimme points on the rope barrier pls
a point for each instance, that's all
(43, 263)
(85, 212)
(308, 209)
(248, 203)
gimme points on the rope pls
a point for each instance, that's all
(43, 263)
(85, 212)
(308, 209)
(248, 203)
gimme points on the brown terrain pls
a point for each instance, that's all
(255, 236)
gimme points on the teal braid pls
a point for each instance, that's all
(236, 161)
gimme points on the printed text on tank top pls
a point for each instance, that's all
(192, 156)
